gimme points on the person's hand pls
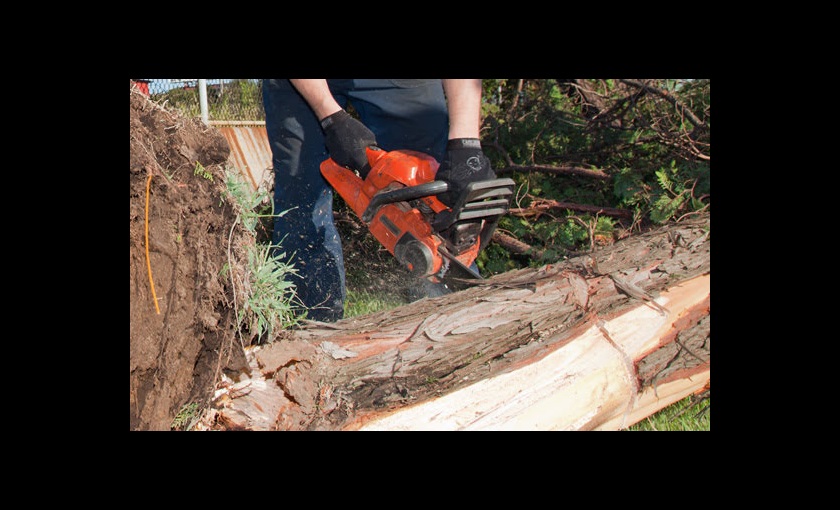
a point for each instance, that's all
(463, 164)
(346, 140)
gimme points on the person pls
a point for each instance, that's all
(307, 121)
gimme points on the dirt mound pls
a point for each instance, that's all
(181, 345)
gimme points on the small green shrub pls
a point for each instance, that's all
(270, 302)
(185, 416)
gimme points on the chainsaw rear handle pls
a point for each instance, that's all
(403, 195)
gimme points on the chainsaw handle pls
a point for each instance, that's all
(403, 195)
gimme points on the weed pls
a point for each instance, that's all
(254, 205)
(200, 170)
(185, 416)
(269, 301)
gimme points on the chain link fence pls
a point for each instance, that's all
(227, 99)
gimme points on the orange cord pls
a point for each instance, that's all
(148, 261)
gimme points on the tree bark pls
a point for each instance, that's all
(516, 246)
(541, 206)
(595, 342)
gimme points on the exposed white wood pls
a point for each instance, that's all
(586, 384)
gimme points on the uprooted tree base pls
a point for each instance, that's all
(177, 167)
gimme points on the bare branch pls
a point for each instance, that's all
(560, 170)
(495, 143)
(540, 206)
(516, 246)
(664, 94)
(519, 85)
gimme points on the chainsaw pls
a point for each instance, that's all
(397, 200)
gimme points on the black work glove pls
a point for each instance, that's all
(464, 163)
(346, 140)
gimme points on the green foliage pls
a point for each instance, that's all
(270, 303)
(667, 193)
(186, 415)
(605, 226)
(530, 124)
(573, 234)
(630, 189)
(678, 190)
(689, 414)
(226, 100)
(185, 100)
(201, 171)
(363, 302)
(647, 140)
(246, 99)
(254, 205)
(495, 260)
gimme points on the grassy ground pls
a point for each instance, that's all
(690, 413)
(363, 302)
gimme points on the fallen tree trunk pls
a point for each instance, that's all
(596, 342)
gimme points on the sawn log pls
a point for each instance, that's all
(597, 342)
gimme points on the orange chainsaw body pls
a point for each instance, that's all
(405, 231)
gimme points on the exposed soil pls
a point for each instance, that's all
(179, 349)
(176, 347)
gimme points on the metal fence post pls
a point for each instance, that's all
(202, 102)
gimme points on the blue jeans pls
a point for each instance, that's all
(403, 114)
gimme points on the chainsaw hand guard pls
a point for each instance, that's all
(481, 203)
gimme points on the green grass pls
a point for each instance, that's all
(363, 302)
(186, 415)
(270, 303)
(690, 413)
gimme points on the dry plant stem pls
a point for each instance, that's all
(590, 230)
(148, 260)
(559, 170)
(539, 206)
(668, 97)
(232, 281)
(235, 305)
